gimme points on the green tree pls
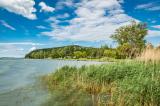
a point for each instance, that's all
(105, 46)
(110, 53)
(79, 54)
(133, 36)
(124, 51)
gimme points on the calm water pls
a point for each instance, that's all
(19, 80)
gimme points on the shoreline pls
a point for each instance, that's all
(81, 59)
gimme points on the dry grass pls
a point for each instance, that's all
(150, 55)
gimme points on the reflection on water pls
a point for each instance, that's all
(19, 84)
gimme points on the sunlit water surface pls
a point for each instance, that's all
(19, 80)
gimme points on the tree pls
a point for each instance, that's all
(133, 35)
(124, 51)
(79, 54)
(105, 46)
(110, 53)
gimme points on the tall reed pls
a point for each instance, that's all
(133, 83)
(150, 55)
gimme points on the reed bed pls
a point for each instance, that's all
(150, 55)
(133, 83)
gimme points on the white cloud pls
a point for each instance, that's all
(20, 49)
(11, 51)
(65, 15)
(45, 8)
(17, 49)
(41, 27)
(121, 1)
(32, 48)
(22, 43)
(156, 26)
(153, 33)
(149, 6)
(144, 6)
(154, 21)
(95, 21)
(156, 8)
(7, 25)
(21, 7)
(62, 3)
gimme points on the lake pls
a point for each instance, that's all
(19, 80)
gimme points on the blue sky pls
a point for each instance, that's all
(26, 25)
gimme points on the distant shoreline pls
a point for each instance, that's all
(81, 59)
(92, 60)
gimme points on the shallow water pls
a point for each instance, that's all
(19, 83)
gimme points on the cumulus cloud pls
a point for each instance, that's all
(95, 21)
(45, 8)
(149, 6)
(5, 24)
(21, 7)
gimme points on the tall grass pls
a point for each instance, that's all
(131, 83)
(150, 55)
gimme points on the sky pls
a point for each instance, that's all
(26, 25)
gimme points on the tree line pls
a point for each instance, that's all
(72, 51)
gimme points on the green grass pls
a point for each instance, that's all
(130, 83)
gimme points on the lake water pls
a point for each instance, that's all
(19, 80)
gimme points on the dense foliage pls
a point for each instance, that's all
(131, 39)
(131, 83)
(71, 52)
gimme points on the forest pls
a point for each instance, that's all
(72, 52)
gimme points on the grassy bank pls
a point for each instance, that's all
(131, 83)
(104, 59)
